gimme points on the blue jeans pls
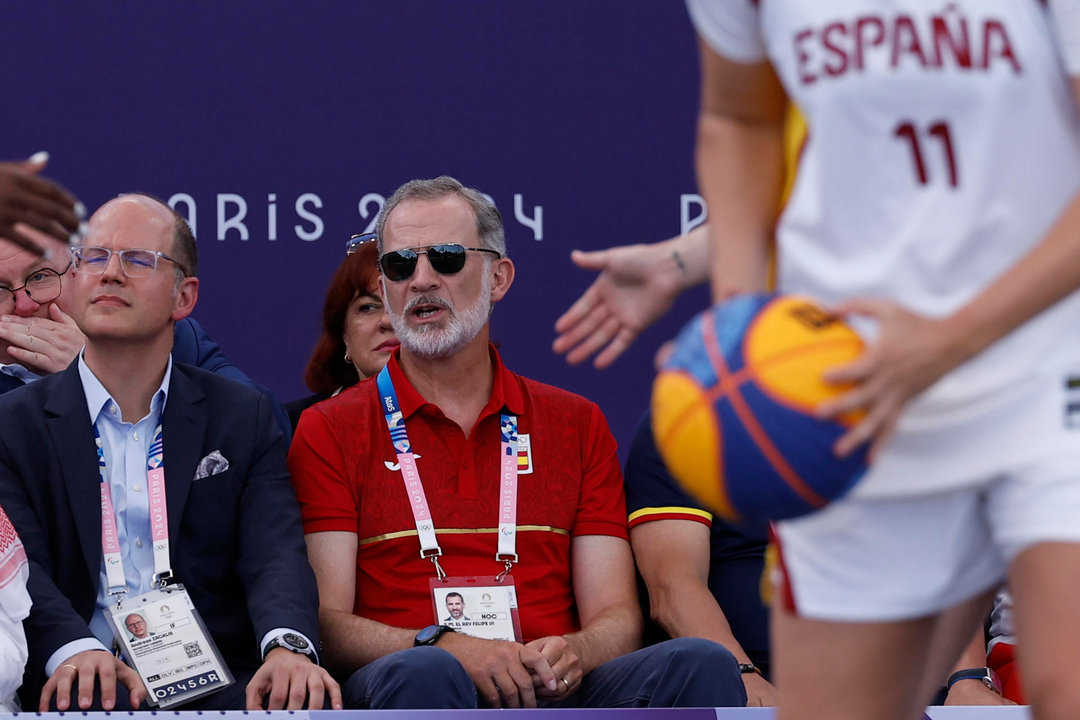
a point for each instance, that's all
(687, 672)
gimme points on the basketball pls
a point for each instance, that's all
(733, 408)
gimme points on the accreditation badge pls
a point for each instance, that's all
(165, 640)
(478, 606)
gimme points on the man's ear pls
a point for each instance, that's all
(185, 297)
(503, 268)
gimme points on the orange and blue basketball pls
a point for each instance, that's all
(733, 409)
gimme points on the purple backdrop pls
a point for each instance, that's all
(298, 115)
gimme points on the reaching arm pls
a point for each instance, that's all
(673, 558)
(740, 166)
(637, 284)
(29, 201)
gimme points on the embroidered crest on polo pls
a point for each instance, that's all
(524, 455)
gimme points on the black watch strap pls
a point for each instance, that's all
(745, 668)
(431, 634)
(984, 675)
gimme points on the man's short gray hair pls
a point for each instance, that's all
(489, 224)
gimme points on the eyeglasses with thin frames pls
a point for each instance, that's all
(42, 286)
(133, 263)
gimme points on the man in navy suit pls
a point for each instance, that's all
(37, 335)
(233, 522)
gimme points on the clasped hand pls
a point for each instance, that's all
(509, 674)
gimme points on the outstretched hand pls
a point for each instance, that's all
(629, 295)
(27, 200)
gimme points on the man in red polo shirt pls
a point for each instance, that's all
(448, 474)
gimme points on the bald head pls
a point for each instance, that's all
(140, 214)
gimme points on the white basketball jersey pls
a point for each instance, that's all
(944, 142)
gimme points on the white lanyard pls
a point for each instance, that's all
(159, 518)
(410, 476)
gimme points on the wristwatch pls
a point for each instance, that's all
(431, 634)
(289, 641)
(985, 675)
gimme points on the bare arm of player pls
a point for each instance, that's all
(912, 352)
(740, 168)
(603, 580)
(673, 558)
(637, 284)
(502, 671)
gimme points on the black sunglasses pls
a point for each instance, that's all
(446, 259)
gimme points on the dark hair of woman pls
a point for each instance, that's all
(327, 370)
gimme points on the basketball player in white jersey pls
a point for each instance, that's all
(937, 201)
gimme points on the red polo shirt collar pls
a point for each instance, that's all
(505, 390)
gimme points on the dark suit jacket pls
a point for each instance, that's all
(236, 538)
(7, 382)
(192, 346)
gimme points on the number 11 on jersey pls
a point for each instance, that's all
(939, 131)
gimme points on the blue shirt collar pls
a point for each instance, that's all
(98, 399)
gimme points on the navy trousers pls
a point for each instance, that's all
(687, 672)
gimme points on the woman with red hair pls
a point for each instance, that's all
(356, 339)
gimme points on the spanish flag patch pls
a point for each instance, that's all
(525, 460)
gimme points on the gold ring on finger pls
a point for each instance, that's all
(71, 666)
(564, 682)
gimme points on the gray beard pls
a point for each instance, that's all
(432, 342)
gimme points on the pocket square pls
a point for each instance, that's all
(213, 464)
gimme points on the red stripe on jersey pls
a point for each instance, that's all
(786, 596)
